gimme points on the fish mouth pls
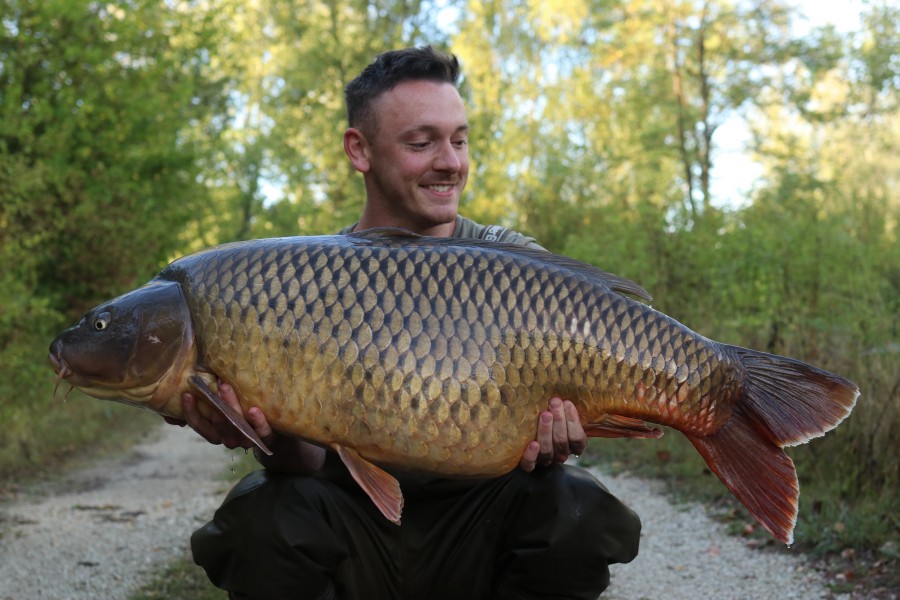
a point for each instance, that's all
(61, 367)
(125, 391)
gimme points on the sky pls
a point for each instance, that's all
(735, 171)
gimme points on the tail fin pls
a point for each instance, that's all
(785, 402)
(793, 401)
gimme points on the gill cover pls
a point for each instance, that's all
(129, 342)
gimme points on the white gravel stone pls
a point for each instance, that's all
(685, 555)
(99, 533)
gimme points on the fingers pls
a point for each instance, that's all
(214, 427)
(559, 435)
(530, 456)
(545, 439)
(260, 424)
(207, 428)
(577, 437)
(560, 431)
(231, 435)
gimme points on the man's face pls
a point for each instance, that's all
(418, 155)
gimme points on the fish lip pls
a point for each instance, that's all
(60, 366)
(57, 364)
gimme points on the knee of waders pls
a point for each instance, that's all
(247, 484)
(269, 537)
(567, 530)
(566, 506)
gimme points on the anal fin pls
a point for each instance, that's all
(381, 486)
(235, 418)
(617, 426)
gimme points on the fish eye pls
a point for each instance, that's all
(101, 321)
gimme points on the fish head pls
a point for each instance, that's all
(134, 349)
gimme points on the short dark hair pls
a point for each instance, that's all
(392, 68)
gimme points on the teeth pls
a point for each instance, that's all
(440, 188)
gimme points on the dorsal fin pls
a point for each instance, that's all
(405, 237)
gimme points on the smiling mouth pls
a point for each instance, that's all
(440, 188)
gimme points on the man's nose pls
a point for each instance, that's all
(448, 158)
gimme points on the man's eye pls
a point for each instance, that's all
(418, 145)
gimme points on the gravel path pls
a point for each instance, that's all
(100, 531)
(685, 555)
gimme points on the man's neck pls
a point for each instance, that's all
(439, 230)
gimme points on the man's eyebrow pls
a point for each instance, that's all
(464, 128)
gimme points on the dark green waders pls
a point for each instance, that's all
(547, 534)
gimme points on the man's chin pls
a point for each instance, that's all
(440, 210)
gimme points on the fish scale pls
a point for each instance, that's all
(438, 355)
(350, 330)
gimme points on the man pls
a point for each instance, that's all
(302, 528)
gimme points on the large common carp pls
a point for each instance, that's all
(438, 355)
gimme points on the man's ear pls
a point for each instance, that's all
(357, 148)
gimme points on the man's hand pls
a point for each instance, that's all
(291, 455)
(559, 434)
(217, 429)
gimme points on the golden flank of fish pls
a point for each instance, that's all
(438, 355)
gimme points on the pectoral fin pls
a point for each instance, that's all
(382, 488)
(616, 426)
(200, 388)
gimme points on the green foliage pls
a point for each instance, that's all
(94, 100)
(96, 178)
